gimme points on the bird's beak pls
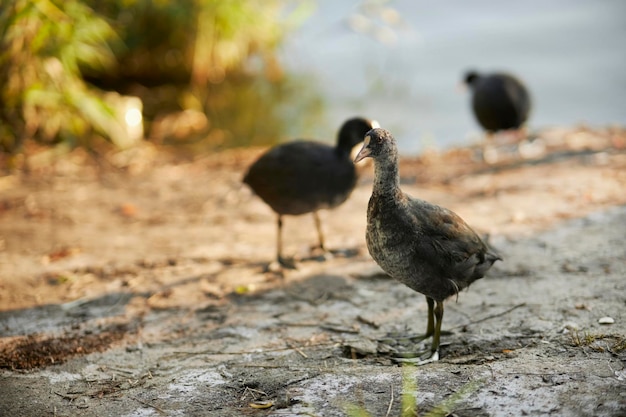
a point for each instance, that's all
(365, 150)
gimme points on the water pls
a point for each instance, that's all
(406, 73)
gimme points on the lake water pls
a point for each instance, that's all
(401, 62)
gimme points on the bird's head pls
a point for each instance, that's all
(352, 131)
(377, 142)
(471, 77)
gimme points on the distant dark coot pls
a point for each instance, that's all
(499, 101)
(426, 247)
(304, 176)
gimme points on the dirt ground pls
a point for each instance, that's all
(137, 286)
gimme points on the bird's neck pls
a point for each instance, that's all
(386, 177)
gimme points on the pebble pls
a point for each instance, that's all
(569, 326)
(606, 320)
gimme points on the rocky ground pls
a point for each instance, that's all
(138, 286)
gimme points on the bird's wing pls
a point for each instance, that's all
(288, 161)
(299, 170)
(447, 239)
(518, 97)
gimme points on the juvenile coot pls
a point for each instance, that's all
(426, 247)
(305, 176)
(500, 101)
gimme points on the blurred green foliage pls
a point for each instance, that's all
(205, 70)
(42, 94)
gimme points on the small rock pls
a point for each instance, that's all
(518, 217)
(568, 326)
(134, 348)
(360, 348)
(606, 320)
(532, 150)
(491, 155)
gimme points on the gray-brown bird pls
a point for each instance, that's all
(426, 247)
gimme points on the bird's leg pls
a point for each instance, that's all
(490, 149)
(319, 251)
(287, 263)
(320, 233)
(433, 355)
(434, 349)
(435, 317)
(430, 327)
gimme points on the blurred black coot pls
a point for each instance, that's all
(305, 176)
(426, 247)
(500, 101)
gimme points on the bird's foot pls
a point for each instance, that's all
(410, 348)
(345, 252)
(420, 359)
(404, 339)
(319, 254)
(323, 257)
(281, 264)
(531, 149)
(288, 263)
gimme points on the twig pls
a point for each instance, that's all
(390, 402)
(338, 329)
(545, 373)
(368, 322)
(491, 316)
(297, 349)
(256, 352)
(160, 410)
(67, 396)
(261, 365)
(120, 370)
(300, 324)
(252, 391)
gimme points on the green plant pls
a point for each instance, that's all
(60, 58)
(444, 408)
(408, 402)
(214, 58)
(584, 339)
(587, 339)
(44, 44)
